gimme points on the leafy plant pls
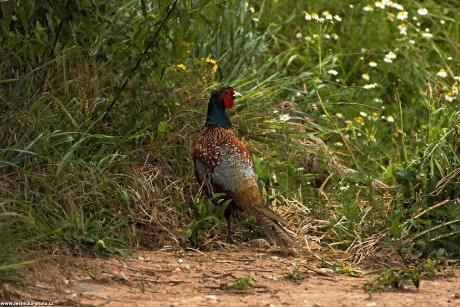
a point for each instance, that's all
(388, 277)
(208, 215)
(242, 283)
(295, 275)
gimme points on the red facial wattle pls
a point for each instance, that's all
(229, 101)
(227, 96)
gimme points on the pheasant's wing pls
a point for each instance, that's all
(206, 155)
(219, 158)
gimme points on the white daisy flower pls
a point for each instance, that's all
(402, 29)
(333, 72)
(402, 15)
(370, 86)
(368, 8)
(379, 4)
(327, 15)
(390, 119)
(285, 117)
(398, 6)
(422, 11)
(450, 97)
(372, 64)
(391, 55)
(442, 73)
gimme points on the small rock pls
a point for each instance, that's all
(211, 297)
(119, 276)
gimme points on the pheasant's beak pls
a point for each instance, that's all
(236, 95)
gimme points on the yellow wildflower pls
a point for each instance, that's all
(215, 66)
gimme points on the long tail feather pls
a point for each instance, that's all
(277, 233)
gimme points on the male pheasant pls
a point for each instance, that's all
(224, 165)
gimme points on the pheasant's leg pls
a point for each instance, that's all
(228, 217)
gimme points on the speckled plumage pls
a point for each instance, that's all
(224, 165)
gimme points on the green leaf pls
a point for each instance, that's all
(186, 235)
(162, 126)
(402, 173)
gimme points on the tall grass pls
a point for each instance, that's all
(75, 180)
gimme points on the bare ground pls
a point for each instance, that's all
(194, 278)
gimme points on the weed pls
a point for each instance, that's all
(388, 277)
(346, 270)
(242, 283)
(295, 275)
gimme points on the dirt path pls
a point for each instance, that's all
(193, 278)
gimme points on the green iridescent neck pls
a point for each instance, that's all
(216, 114)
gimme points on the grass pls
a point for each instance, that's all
(76, 178)
(398, 278)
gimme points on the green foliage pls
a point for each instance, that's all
(393, 278)
(295, 275)
(399, 278)
(428, 200)
(242, 283)
(206, 216)
(75, 180)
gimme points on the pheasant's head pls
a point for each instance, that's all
(221, 99)
(226, 95)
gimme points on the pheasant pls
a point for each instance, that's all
(224, 165)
